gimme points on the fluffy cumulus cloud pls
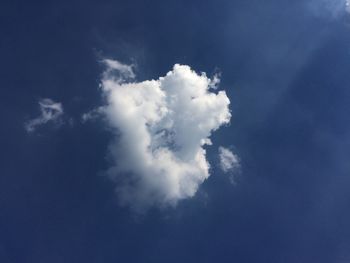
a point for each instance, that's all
(50, 112)
(160, 129)
(229, 162)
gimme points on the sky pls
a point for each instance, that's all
(175, 131)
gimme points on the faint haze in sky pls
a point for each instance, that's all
(330, 8)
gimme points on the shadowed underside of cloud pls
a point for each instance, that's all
(160, 129)
(50, 111)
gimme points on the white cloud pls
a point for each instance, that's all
(161, 127)
(229, 162)
(50, 111)
(126, 71)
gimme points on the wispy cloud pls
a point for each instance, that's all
(329, 8)
(92, 115)
(126, 71)
(229, 162)
(50, 112)
(161, 127)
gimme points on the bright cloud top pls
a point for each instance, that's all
(161, 127)
(50, 111)
(229, 162)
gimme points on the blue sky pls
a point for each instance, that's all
(285, 69)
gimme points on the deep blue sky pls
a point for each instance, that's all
(285, 68)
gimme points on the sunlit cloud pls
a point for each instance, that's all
(161, 127)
